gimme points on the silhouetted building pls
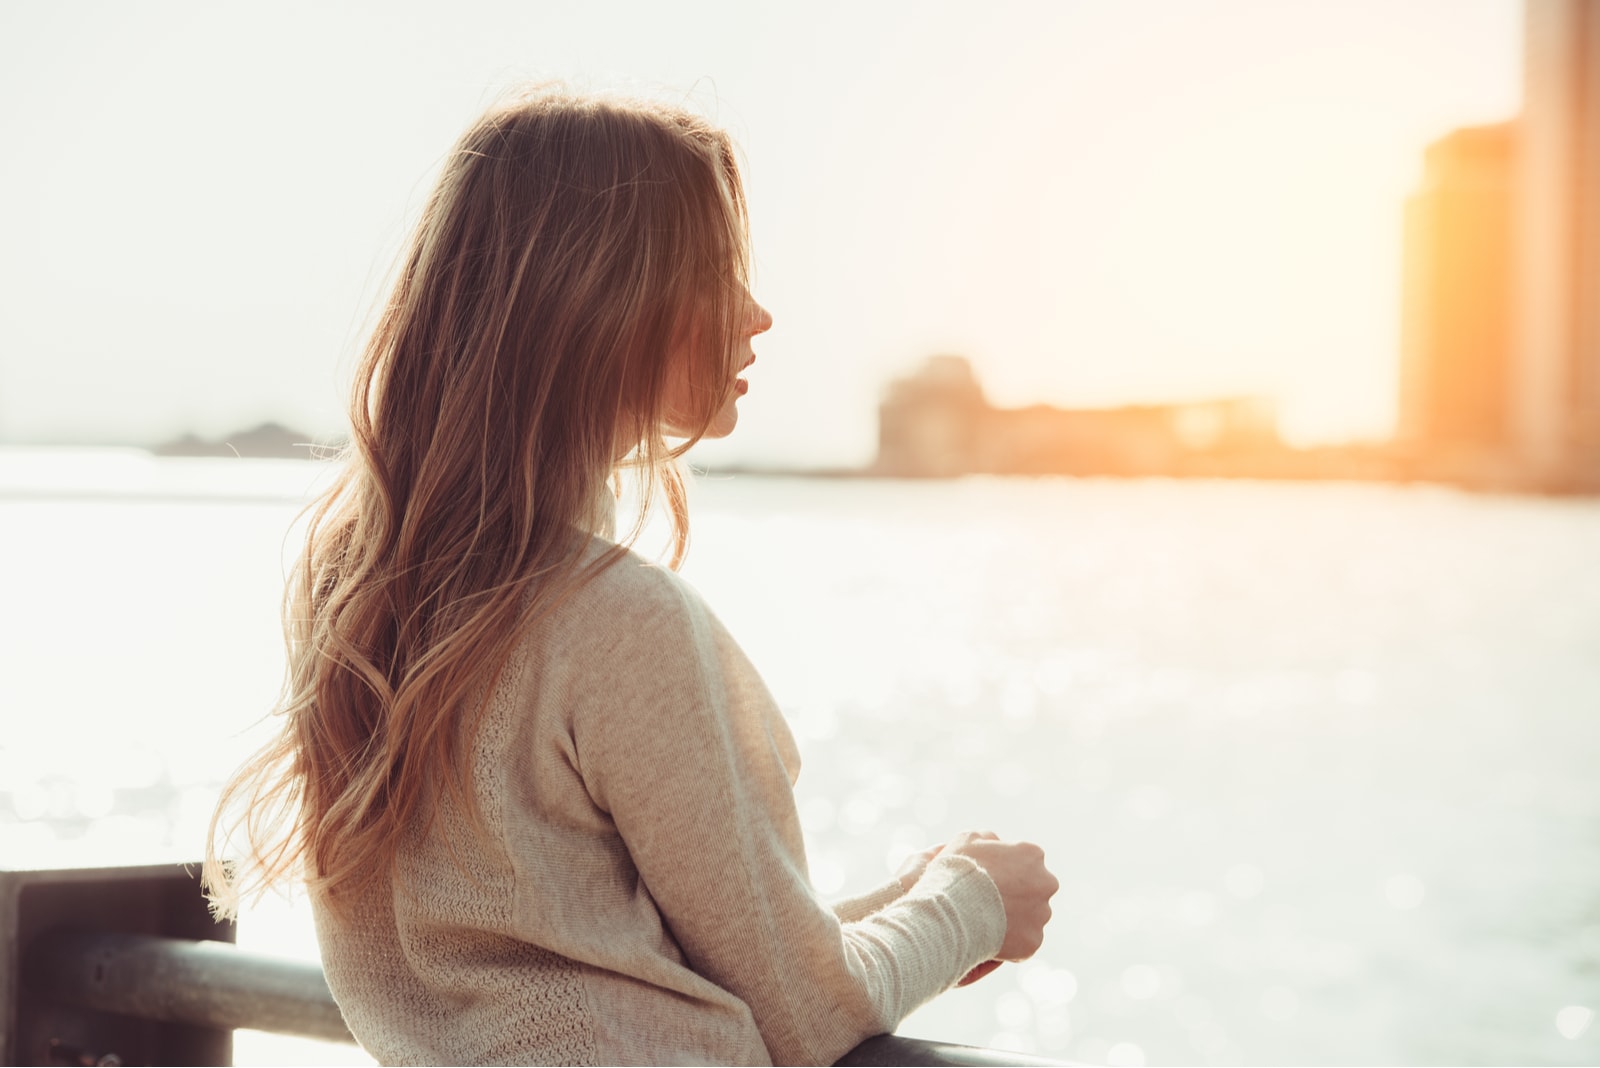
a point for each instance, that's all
(1500, 351)
(1555, 409)
(930, 423)
(1455, 355)
(937, 422)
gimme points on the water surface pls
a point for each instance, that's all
(1316, 763)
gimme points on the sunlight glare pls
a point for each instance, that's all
(1574, 1020)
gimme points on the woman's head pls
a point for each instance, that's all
(577, 286)
(575, 292)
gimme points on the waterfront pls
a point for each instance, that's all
(1315, 763)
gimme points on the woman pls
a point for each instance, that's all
(540, 798)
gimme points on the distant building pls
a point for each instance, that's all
(1500, 347)
(937, 422)
(932, 422)
(1555, 396)
(1455, 359)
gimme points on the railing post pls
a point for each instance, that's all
(161, 899)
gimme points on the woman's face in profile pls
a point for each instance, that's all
(754, 319)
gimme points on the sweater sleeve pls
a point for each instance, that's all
(681, 750)
(859, 907)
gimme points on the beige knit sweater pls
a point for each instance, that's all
(643, 895)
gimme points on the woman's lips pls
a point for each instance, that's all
(740, 386)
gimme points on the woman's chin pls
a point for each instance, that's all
(725, 422)
(722, 424)
(722, 427)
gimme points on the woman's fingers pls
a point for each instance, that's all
(909, 872)
(979, 972)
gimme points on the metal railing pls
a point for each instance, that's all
(175, 980)
(77, 995)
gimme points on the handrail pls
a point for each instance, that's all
(218, 985)
(179, 980)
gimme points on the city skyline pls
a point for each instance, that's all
(1097, 203)
(1500, 373)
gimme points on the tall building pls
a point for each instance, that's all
(1457, 312)
(1555, 396)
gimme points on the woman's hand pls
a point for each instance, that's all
(1025, 886)
(1026, 889)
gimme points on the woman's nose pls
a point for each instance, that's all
(758, 320)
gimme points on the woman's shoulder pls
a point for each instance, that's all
(622, 597)
(633, 635)
(627, 575)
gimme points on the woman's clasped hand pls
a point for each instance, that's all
(1018, 872)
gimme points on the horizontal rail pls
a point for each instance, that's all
(176, 980)
(893, 1049)
(216, 984)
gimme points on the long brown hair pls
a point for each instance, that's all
(574, 250)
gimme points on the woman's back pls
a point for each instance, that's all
(627, 734)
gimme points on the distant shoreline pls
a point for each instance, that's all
(81, 478)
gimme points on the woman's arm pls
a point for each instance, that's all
(685, 750)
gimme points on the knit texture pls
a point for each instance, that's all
(642, 895)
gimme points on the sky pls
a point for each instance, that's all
(1097, 202)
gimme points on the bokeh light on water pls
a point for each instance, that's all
(1314, 763)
